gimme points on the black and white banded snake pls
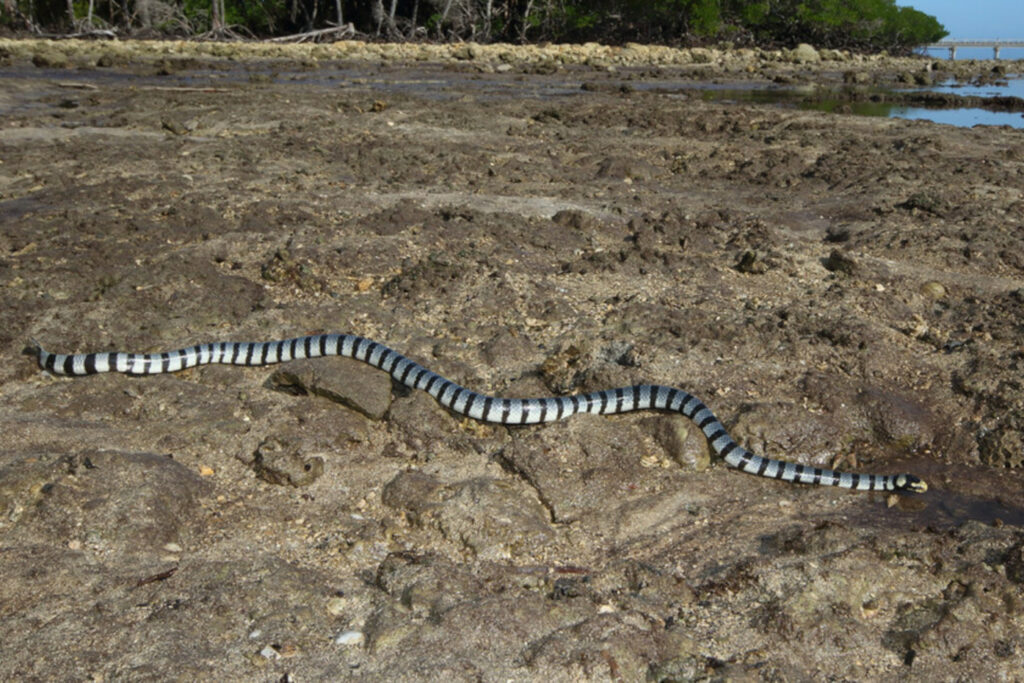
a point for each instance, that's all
(508, 411)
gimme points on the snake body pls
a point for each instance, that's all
(507, 411)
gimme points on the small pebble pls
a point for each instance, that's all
(336, 606)
(270, 653)
(933, 290)
(172, 547)
(350, 638)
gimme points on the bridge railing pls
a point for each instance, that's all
(952, 45)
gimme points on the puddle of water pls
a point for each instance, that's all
(964, 117)
(1012, 87)
(958, 494)
(967, 116)
(955, 508)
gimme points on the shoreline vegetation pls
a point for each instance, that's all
(862, 26)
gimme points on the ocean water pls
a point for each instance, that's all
(1014, 87)
(966, 117)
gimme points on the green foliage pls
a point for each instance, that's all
(581, 19)
(703, 16)
(918, 28)
(260, 18)
(197, 12)
(666, 21)
(863, 25)
(867, 25)
(753, 13)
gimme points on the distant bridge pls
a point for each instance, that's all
(952, 45)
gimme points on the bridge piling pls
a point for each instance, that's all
(996, 46)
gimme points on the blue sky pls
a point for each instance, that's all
(975, 19)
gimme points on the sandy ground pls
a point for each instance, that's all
(840, 290)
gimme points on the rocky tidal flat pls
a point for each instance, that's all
(842, 291)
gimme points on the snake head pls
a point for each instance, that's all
(908, 482)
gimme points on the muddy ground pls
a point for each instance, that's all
(840, 290)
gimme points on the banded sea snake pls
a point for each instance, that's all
(507, 411)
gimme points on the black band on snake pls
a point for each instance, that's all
(507, 411)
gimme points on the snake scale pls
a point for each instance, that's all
(507, 411)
